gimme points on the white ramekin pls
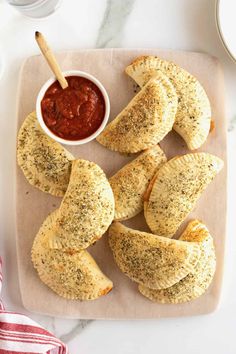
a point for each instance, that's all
(49, 132)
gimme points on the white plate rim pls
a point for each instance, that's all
(220, 31)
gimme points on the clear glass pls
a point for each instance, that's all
(35, 8)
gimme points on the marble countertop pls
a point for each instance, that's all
(173, 24)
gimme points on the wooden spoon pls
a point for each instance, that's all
(49, 56)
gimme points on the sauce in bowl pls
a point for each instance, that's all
(76, 112)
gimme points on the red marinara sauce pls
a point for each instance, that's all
(75, 112)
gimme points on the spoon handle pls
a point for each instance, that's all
(49, 56)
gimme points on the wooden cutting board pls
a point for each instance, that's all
(32, 205)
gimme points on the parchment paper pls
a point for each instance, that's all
(32, 205)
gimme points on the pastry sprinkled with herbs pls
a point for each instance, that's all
(146, 120)
(193, 117)
(198, 280)
(175, 189)
(45, 163)
(131, 181)
(71, 274)
(154, 261)
(87, 209)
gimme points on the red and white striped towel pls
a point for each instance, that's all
(20, 334)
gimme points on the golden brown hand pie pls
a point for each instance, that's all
(130, 183)
(87, 209)
(193, 117)
(45, 163)
(71, 274)
(175, 189)
(198, 280)
(154, 261)
(145, 121)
